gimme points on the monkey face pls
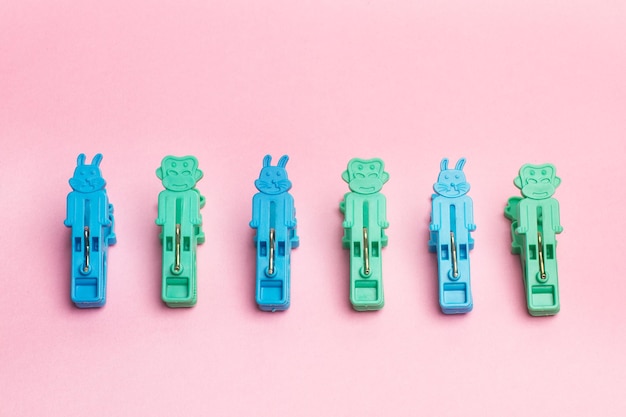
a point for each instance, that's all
(537, 181)
(365, 176)
(179, 173)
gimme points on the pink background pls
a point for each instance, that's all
(499, 82)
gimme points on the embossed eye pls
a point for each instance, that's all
(93, 172)
(532, 181)
(267, 174)
(186, 172)
(446, 177)
(186, 164)
(532, 172)
(457, 176)
(543, 172)
(173, 164)
(278, 174)
(360, 167)
(372, 167)
(172, 173)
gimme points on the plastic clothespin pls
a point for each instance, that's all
(90, 215)
(535, 223)
(273, 217)
(181, 221)
(451, 224)
(365, 211)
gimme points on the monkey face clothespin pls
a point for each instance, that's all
(181, 222)
(535, 222)
(90, 215)
(451, 224)
(365, 221)
(273, 217)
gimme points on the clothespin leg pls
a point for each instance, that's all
(366, 290)
(179, 287)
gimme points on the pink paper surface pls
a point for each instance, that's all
(501, 83)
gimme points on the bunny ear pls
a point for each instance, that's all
(267, 160)
(444, 164)
(81, 159)
(282, 162)
(459, 165)
(97, 159)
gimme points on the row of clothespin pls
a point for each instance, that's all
(535, 223)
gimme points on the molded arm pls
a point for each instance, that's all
(194, 209)
(435, 221)
(556, 218)
(382, 211)
(348, 209)
(256, 212)
(469, 215)
(523, 218)
(71, 210)
(290, 215)
(103, 209)
(162, 208)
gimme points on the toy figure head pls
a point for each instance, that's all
(537, 181)
(365, 176)
(273, 179)
(87, 178)
(179, 173)
(451, 182)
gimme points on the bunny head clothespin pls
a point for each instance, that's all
(90, 215)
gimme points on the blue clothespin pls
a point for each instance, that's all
(273, 217)
(452, 220)
(181, 229)
(90, 215)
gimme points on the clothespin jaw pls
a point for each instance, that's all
(535, 222)
(90, 216)
(365, 221)
(452, 221)
(273, 217)
(179, 216)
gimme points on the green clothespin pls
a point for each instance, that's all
(535, 223)
(365, 211)
(181, 221)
